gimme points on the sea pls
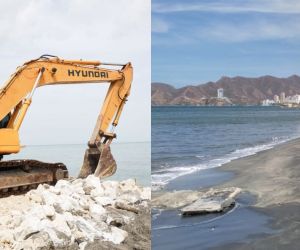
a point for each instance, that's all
(133, 158)
(189, 139)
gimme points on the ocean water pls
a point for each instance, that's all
(190, 139)
(133, 158)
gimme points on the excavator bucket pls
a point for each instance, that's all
(99, 162)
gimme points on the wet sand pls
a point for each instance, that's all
(273, 176)
(270, 221)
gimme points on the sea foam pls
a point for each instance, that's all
(162, 177)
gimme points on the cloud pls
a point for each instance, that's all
(231, 31)
(261, 6)
(239, 24)
(253, 30)
(107, 30)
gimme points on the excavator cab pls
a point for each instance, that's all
(4, 121)
(9, 141)
(9, 137)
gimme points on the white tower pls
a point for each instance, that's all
(276, 99)
(220, 93)
(282, 97)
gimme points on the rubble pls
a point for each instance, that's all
(75, 214)
(192, 202)
(213, 201)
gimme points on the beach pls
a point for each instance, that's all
(253, 148)
(273, 176)
(266, 215)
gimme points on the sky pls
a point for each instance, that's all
(106, 30)
(196, 41)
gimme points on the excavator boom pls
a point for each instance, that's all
(16, 97)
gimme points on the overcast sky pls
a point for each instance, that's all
(106, 30)
(195, 41)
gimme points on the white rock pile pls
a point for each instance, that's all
(73, 214)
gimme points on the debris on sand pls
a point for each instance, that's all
(175, 199)
(213, 201)
(192, 202)
(79, 214)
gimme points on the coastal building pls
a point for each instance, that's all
(295, 99)
(267, 102)
(220, 93)
(289, 101)
(276, 99)
(282, 97)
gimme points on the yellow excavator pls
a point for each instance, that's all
(16, 96)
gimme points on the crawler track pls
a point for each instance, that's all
(19, 176)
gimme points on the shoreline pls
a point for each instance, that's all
(216, 167)
(272, 177)
(276, 176)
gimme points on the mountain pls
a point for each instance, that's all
(237, 90)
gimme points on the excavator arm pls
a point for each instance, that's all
(16, 97)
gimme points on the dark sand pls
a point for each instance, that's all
(273, 176)
(271, 221)
(198, 180)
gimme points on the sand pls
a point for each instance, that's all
(273, 176)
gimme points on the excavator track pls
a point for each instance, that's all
(19, 176)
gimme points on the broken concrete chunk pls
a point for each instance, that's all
(124, 206)
(6, 236)
(90, 183)
(34, 196)
(146, 193)
(128, 185)
(49, 210)
(130, 196)
(176, 199)
(213, 201)
(40, 240)
(97, 212)
(116, 235)
(104, 201)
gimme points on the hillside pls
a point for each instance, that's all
(239, 90)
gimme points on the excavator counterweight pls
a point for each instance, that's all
(16, 97)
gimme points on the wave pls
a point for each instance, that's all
(162, 177)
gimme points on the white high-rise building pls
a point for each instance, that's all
(220, 93)
(276, 98)
(282, 97)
